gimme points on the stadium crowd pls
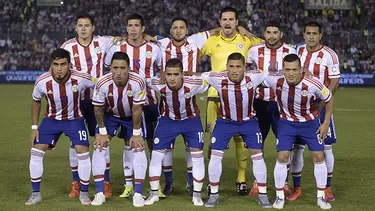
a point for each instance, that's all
(28, 33)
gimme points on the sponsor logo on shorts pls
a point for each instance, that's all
(156, 140)
(213, 140)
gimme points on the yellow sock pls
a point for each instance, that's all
(241, 156)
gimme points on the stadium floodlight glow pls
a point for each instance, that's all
(62, 2)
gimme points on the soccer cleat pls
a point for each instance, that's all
(329, 195)
(287, 191)
(107, 189)
(323, 204)
(279, 203)
(128, 191)
(168, 189)
(99, 199)
(254, 190)
(161, 194)
(34, 198)
(152, 198)
(189, 189)
(84, 198)
(263, 201)
(241, 188)
(212, 201)
(297, 193)
(138, 200)
(197, 199)
(74, 191)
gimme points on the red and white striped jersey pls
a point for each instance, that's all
(63, 100)
(179, 104)
(296, 103)
(188, 53)
(118, 101)
(323, 63)
(268, 60)
(144, 60)
(236, 99)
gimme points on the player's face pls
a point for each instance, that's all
(135, 29)
(173, 77)
(312, 36)
(60, 68)
(120, 71)
(236, 70)
(273, 36)
(179, 31)
(292, 72)
(84, 28)
(228, 23)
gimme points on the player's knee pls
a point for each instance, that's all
(255, 152)
(327, 147)
(42, 147)
(318, 156)
(283, 156)
(81, 148)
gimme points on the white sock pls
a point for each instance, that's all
(198, 170)
(189, 161)
(73, 159)
(98, 165)
(330, 159)
(320, 173)
(215, 169)
(36, 164)
(155, 169)
(167, 161)
(84, 167)
(297, 161)
(280, 172)
(260, 172)
(140, 166)
(127, 158)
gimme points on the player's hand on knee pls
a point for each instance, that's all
(101, 141)
(34, 136)
(137, 143)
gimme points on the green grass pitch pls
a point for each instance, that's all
(353, 182)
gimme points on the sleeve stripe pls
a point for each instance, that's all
(333, 55)
(103, 81)
(315, 82)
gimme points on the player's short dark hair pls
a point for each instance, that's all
(135, 16)
(174, 62)
(86, 16)
(273, 23)
(292, 58)
(236, 56)
(60, 53)
(313, 24)
(229, 9)
(180, 19)
(120, 56)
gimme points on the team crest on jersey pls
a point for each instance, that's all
(75, 88)
(249, 85)
(318, 61)
(129, 93)
(156, 140)
(148, 54)
(187, 95)
(188, 48)
(304, 93)
(97, 50)
(240, 46)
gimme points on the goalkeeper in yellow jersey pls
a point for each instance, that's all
(219, 48)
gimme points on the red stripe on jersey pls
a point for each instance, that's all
(273, 60)
(224, 91)
(315, 82)
(163, 98)
(149, 96)
(307, 61)
(317, 66)
(291, 94)
(130, 99)
(189, 112)
(120, 105)
(148, 62)
(168, 54)
(111, 100)
(136, 60)
(261, 58)
(238, 96)
(88, 59)
(51, 99)
(190, 59)
(304, 100)
(48, 74)
(64, 102)
(196, 108)
(77, 62)
(99, 66)
(176, 105)
(197, 62)
(279, 91)
(123, 48)
(300, 51)
(250, 96)
(75, 99)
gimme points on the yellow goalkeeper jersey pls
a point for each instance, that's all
(219, 48)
